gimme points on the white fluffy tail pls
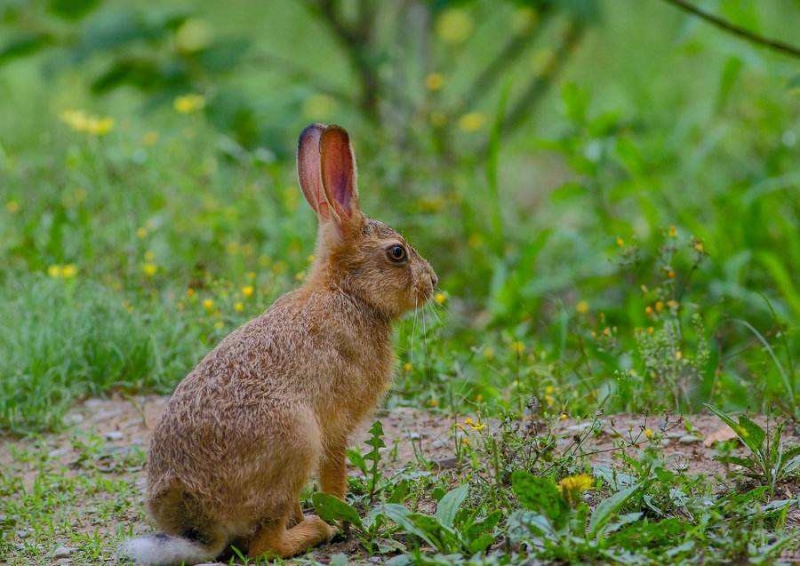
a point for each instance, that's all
(165, 550)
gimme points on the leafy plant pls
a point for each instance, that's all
(768, 462)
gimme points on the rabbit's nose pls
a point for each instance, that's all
(434, 279)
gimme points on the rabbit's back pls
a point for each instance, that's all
(298, 376)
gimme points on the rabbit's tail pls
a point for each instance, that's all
(166, 550)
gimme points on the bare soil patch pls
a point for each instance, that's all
(412, 436)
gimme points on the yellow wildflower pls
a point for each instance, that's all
(69, 271)
(54, 271)
(79, 121)
(549, 400)
(479, 398)
(650, 330)
(311, 259)
(407, 366)
(208, 304)
(149, 269)
(100, 126)
(189, 103)
(648, 310)
(238, 307)
(141, 233)
(576, 484)
(673, 232)
(12, 206)
(517, 347)
(620, 242)
(219, 324)
(440, 298)
(659, 306)
(434, 81)
(678, 355)
(149, 255)
(563, 417)
(476, 426)
(471, 122)
(190, 292)
(248, 291)
(549, 389)
(698, 246)
(648, 433)
(433, 403)
(488, 352)
(454, 26)
(582, 307)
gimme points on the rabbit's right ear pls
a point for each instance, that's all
(309, 170)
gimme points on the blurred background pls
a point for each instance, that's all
(608, 191)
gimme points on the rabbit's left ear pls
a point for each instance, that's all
(308, 170)
(338, 169)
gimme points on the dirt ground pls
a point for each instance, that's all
(410, 435)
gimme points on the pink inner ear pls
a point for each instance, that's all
(338, 169)
(308, 165)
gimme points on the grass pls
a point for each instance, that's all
(629, 250)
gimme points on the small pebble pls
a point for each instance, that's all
(689, 439)
(73, 419)
(63, 552)
(58, 452)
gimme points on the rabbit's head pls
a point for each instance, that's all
(362, 257)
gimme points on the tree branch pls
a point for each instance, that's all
(725, 25)
(356, 43)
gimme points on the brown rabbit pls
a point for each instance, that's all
(278, 398)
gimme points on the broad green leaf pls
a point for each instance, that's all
(401, 516)
(753, 439)
(449, 504)
(24, 45)
(539, 494)
(72, 9)
(444, 538)
(607, 508)
(331, 508)
(752, 434)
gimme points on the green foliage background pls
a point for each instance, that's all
(612, 206)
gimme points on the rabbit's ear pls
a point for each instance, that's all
(338, 165)
(308, 169)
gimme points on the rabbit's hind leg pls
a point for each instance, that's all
(274, 539)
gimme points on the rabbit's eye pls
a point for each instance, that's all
(396, 253)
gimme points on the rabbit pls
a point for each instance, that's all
(278, 398)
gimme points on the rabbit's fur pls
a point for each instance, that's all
(278, 398)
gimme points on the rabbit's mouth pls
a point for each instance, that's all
(423, 292)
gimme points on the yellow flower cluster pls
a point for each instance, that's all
(454, 26)
(474, 425)
(471, 122)
(189, 103)
(576, 484)
(67, 271)
(80, 121)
